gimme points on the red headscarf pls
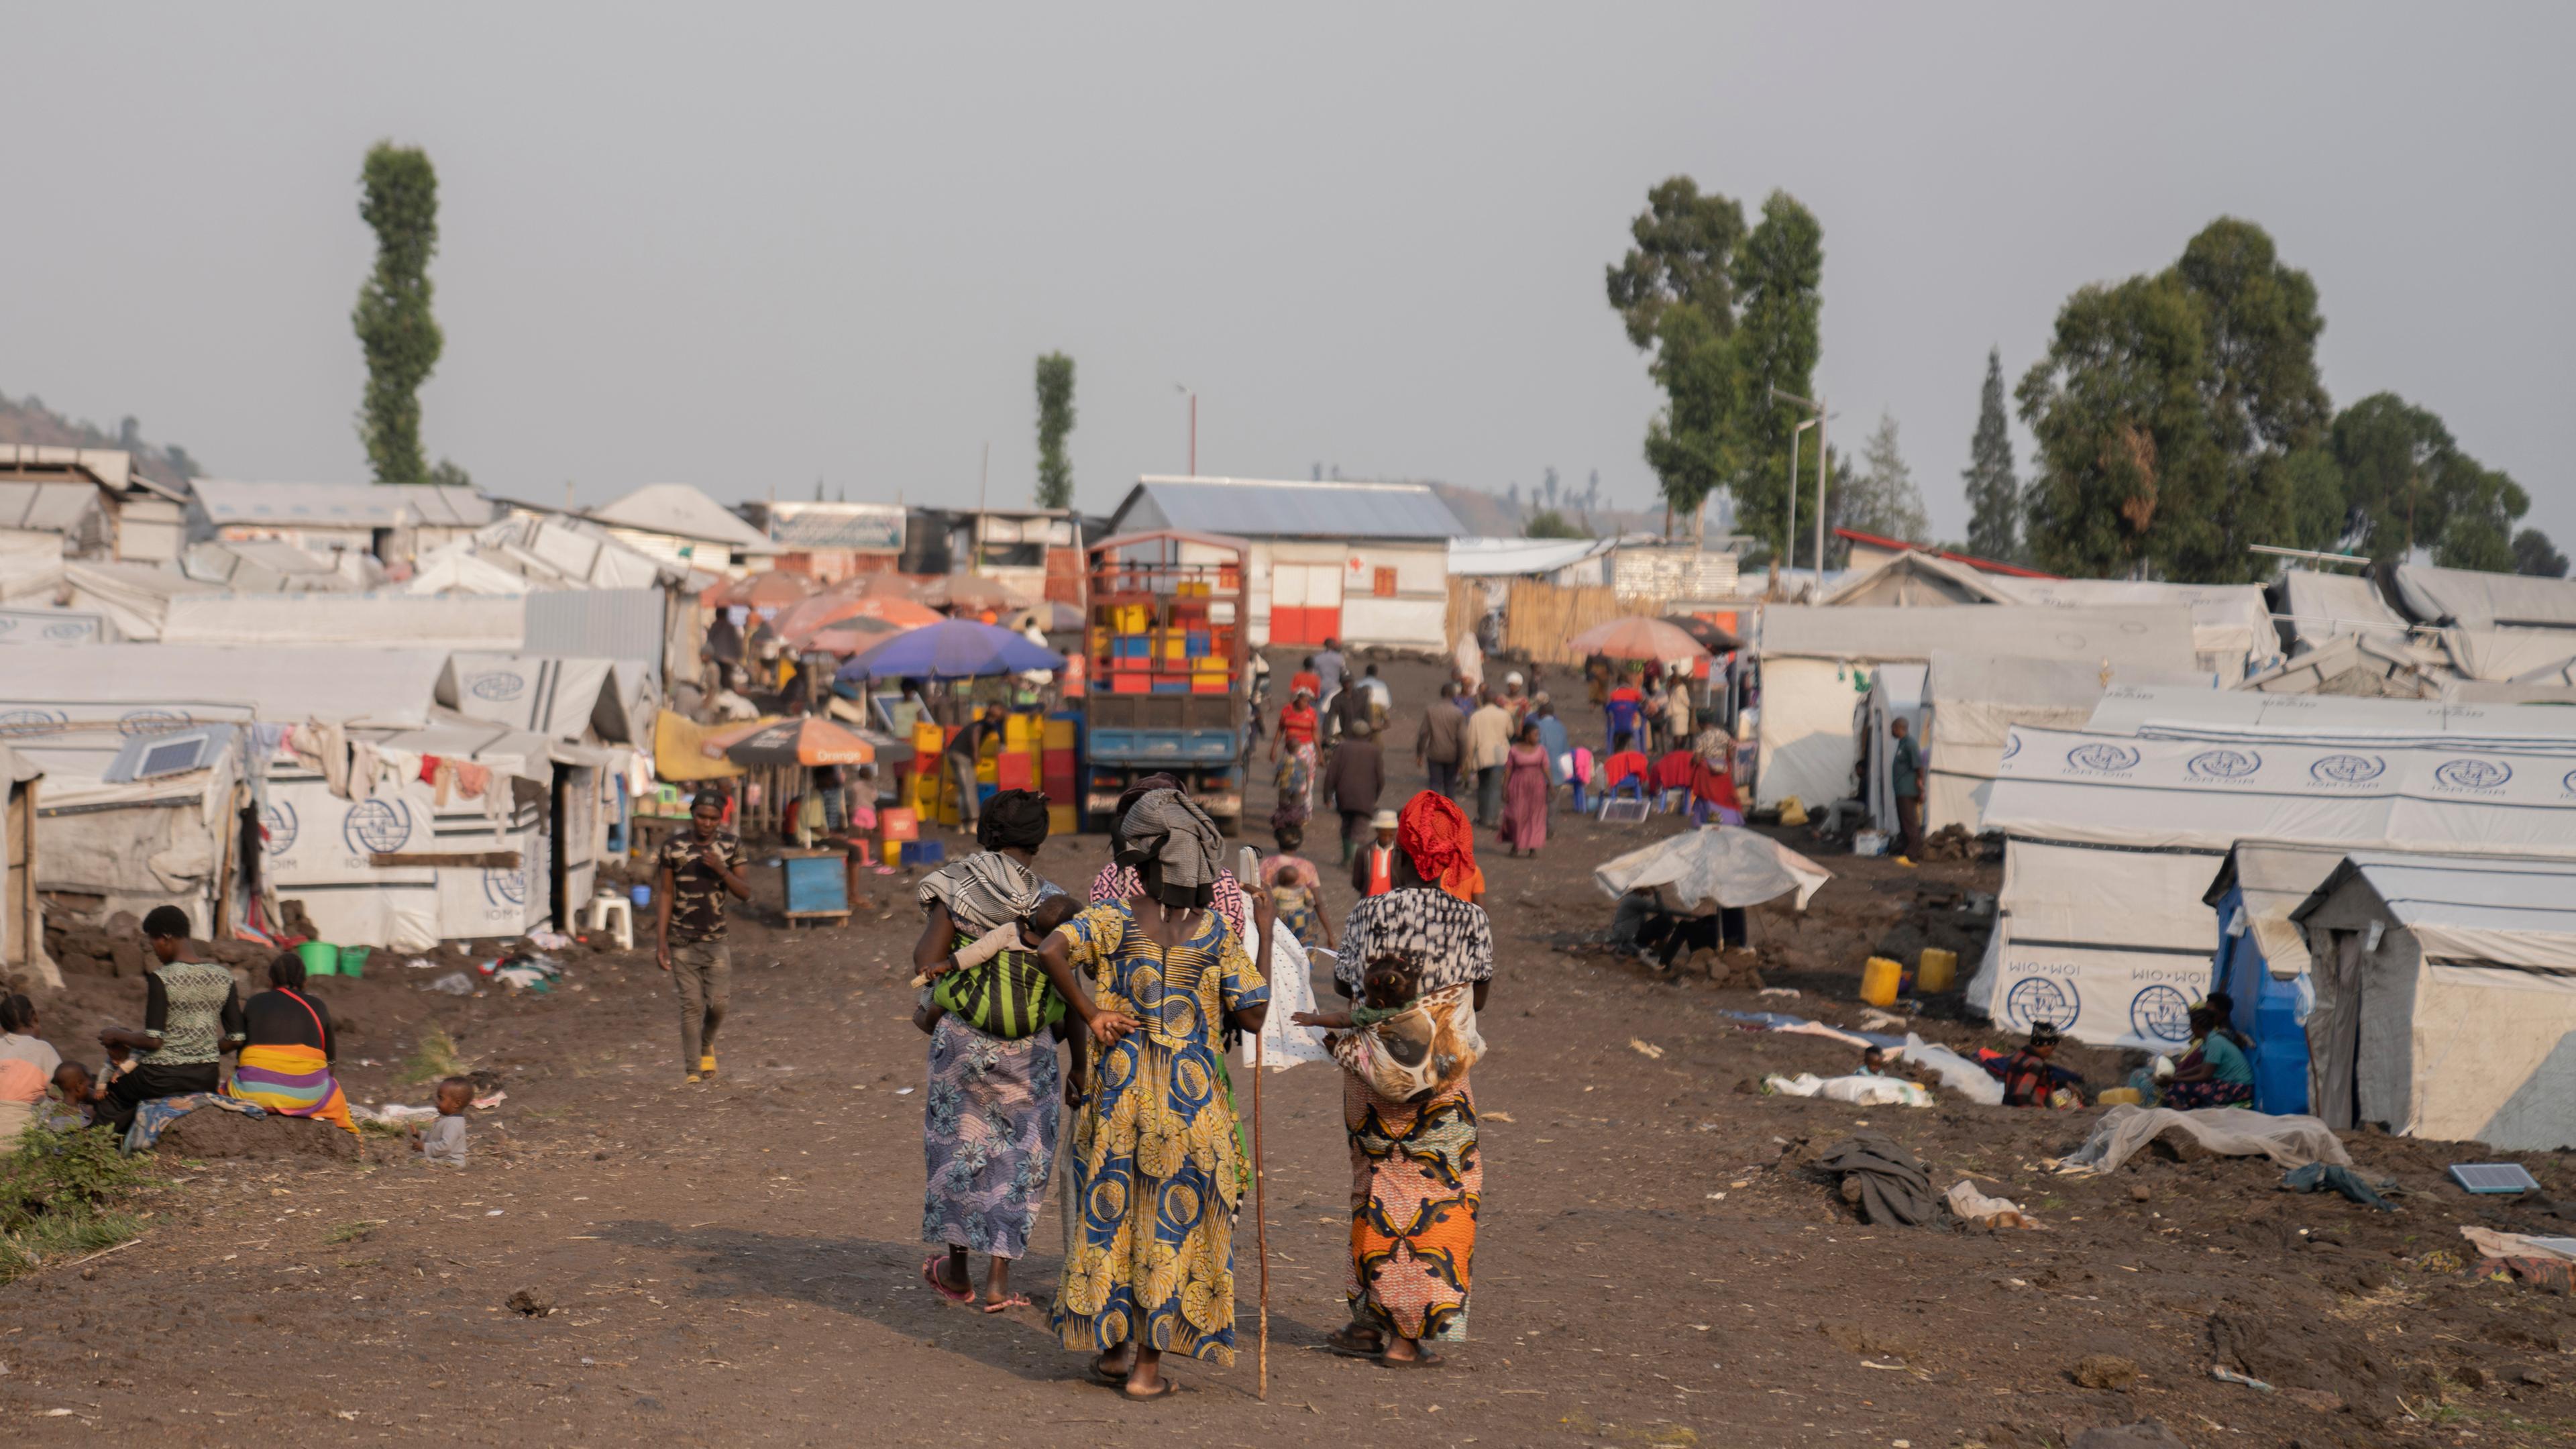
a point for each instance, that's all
(1434, 832)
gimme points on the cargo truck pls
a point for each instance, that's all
(1167, 653)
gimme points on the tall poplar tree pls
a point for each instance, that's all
(1994, 494)
(1055, 421)
(398, 197)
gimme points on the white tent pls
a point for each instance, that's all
(568, 699)
(2129, 709)
(2445, 998)
(1972, 701)
(1914, 579)
(2231, 626)
(2113, 840)
(1816, 662)
(2526, 656)
(2474, 599)
(2324, 606)
(300, 620)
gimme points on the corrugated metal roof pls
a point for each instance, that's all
(1258, 508)
(341, 505)
(1522, 556)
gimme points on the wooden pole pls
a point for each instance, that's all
(1260, 1217)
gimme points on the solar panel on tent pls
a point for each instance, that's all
(1623, 812)
(2493, 1177)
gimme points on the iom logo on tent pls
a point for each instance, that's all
(2039, 999)
(67, 630)
(2224, 764)
(2103, 759)
(498, 688)
(30, 721)
(505, 887)
(2012, 745)
(377, 827)
(2568, 784)
(2161, 1013)
(278, 822)
(2347, 769)
(136, 722)
(2473, 774)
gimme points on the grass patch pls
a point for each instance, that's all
(357, 1232)
(63, 1194)
(433, 1058)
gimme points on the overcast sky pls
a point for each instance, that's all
(746, 247)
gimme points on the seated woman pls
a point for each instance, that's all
(27, 1064)
(285, 1067)
(2214, 1073)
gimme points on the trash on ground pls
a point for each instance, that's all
(1785, 993)
(2230, 1376)
(1957, 1073)
(1646, 1049)
(421, 963)
(2493, 1177)
(490, 1100)
(546, 940)
(454, 983)
(1973, 1206)
(1881, 1180)
(2122, 1132)
(2492, 1244)
(395, 1114)
(1873, 1019)
(1859, 1089)
(2327, 1177)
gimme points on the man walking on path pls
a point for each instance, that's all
(1442, 742)
(1489, 741)
(1355, 778)
(961, 756)
(1905, 765)
(692, 874)
(1331, 669)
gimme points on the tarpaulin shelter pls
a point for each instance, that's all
(1816, 663)
(2112, 841)
(2445, 997)
(1713, 867)
(2475, 599)
(1969, 702)
(2262, 959)
(2232, 634)
(1637, 637)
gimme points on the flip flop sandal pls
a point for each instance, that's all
(1341, 1341)
(1426, 1360)
(930, 1275)
(1114, 1379)
(1163, 1390)
(999, 1305)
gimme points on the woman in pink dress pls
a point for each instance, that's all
(1525, 782)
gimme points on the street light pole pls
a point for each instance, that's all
(1791, 522)
(1194, 424)
(1814, 405)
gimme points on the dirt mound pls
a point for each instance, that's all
(2294, 1352)
(213, 1132)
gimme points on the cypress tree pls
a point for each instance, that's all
(1994, 495)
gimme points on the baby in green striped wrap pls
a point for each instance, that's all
(1025, 934)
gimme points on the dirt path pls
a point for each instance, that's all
(738, 1263)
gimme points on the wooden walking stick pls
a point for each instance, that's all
(1260, 1217)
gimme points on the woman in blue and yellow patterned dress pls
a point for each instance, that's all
(1157, 1162)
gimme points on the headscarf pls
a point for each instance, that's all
(1013, 819)
(1434, 832)
(983, 890)
(1144, 786)
(1179, 841)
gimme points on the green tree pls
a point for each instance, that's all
(1778, 275)
(2533, 554)
(2407, 485)
(1881, 497)
(1548, 523)
(1055, 421)
(1674, 292)
(1994, 494)
(1726, 315)
(2180, 419)
(399, 199)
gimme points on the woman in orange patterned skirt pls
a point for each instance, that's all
(1417, 1180)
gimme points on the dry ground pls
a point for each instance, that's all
(738, 1263)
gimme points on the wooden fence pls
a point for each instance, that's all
(1541, 619)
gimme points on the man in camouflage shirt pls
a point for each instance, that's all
(691, 876)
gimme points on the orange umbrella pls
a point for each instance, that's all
(851, 636)
(798, 623)
(805, 741)
(775, 589)
(1637, 637)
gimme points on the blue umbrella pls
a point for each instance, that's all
(951, 649)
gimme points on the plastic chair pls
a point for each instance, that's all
(603, 906)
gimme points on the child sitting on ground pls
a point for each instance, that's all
(1026, 934)
(444, 1143)
(80, 1091)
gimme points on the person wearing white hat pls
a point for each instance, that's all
(1373, 869)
